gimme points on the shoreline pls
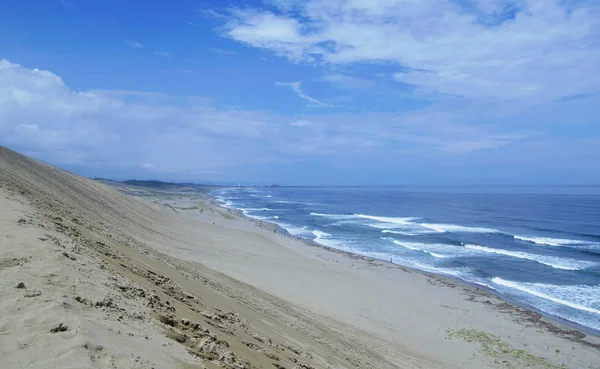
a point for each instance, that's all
(520, 307)
(186, 284)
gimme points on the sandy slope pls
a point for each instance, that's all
(65, 284)
(144, 270)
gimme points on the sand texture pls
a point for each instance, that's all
(91, 277)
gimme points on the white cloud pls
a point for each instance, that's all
(301, 123)
(538, 50)
(140, 130)
(221, 51)
(134, 44)
(39, 112)
(348, 82)
(211, 13)
(162, 53)
(264, 29)
(297, 88)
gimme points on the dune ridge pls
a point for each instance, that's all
(116, 281)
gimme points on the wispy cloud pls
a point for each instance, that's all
(134, 44)
(348, 82)
(193, 24)
(509, 50)
(221, 51)
(297, 88)
(211, 13)
(42, 116)
(301, 123)
(162, 53)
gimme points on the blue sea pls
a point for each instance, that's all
(538, 247)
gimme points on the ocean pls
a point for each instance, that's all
(537, 247)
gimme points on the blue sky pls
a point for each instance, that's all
(306, 92)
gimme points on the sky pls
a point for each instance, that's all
(312, 92)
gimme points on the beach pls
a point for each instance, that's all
(165, 281)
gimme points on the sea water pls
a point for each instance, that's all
(539, 247)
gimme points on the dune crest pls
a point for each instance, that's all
(105, 280)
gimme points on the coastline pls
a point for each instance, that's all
(472, 293)
(524, 311)
(201, 287)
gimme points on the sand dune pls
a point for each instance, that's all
(136, 284)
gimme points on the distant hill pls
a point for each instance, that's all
(152, 183)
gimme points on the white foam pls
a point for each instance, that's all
(224, 202)
(439, 256)
(407, 222)
(340, 223)
(334, 244)
(587, 297)
(390, 225)
(549, 241)
(400, 232)
(258, 217)
(295, 231)
(276, 217)
(423, 247)
(255, 209)
(401, 220)
(554, 262)
(460, 272)
(452, 228)
(333, 216)
(320, 234)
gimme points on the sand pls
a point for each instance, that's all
(139, 284)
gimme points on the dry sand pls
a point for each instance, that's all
(137, 284)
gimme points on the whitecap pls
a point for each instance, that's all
(400, 232)
(552, 261)
(584, 298)
(246, 210)
(295, 231)
(549, 241)
(333, 216)
(394, 220)
(452, 228)
(428, 248)
(320, 234)
(459, 272)
(391, 226)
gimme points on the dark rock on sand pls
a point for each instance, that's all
(59, 328)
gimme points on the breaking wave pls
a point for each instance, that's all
(552, 261)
